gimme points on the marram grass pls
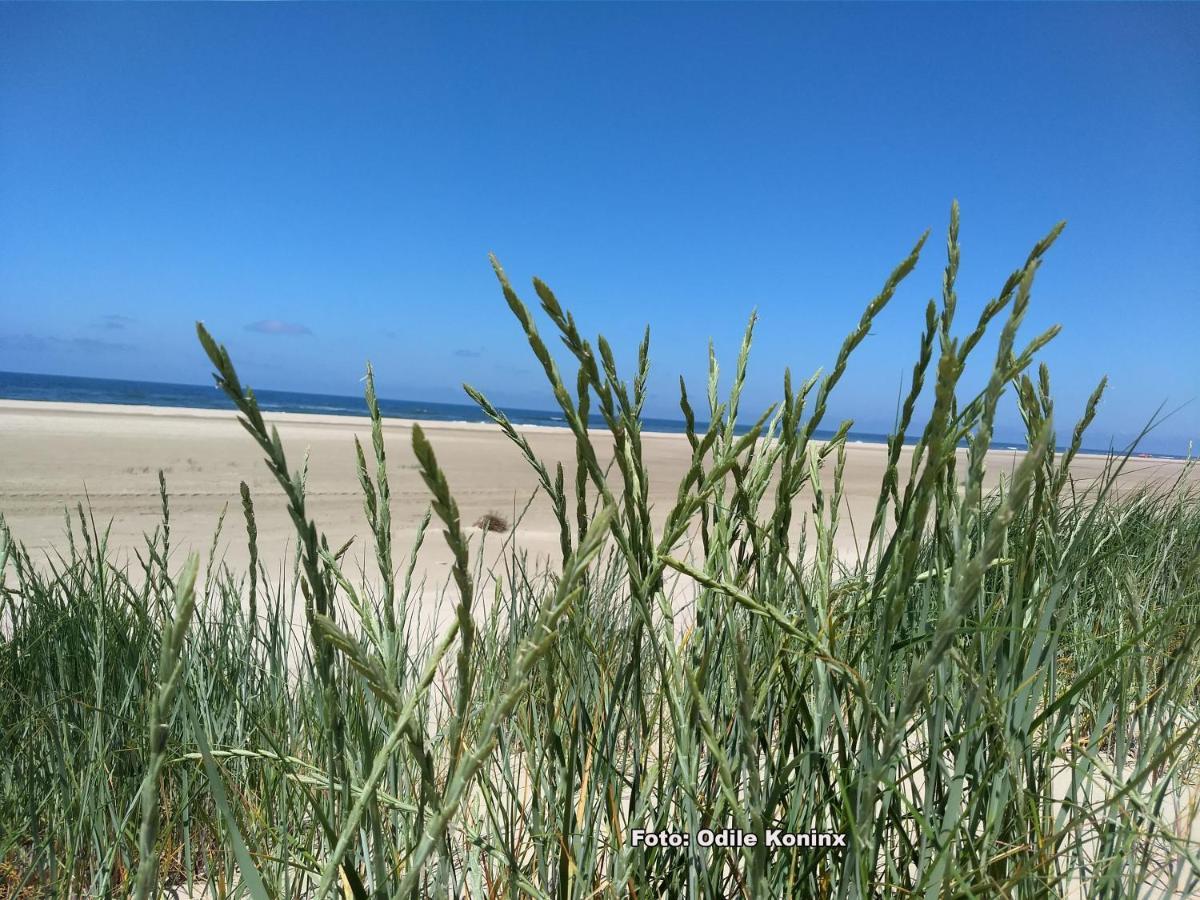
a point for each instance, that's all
(1000, 700)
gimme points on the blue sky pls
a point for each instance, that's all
(321, 184)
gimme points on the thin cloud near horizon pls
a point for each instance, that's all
(114, 322)
(36, 343)
(278, 326)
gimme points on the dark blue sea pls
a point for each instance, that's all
(72, 389)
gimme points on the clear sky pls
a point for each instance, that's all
(321, 184)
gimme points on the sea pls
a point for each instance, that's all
(74, 389)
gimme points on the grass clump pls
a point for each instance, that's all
(492, 521)
(997, 697)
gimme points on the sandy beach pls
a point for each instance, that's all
(57, 455)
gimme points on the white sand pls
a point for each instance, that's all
(55, 455)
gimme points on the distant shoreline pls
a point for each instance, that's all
(166, 398)
(70, 408)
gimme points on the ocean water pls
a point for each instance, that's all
(71, 389)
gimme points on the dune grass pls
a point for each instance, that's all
(1000, 699)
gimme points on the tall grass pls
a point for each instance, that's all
(998, 697)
